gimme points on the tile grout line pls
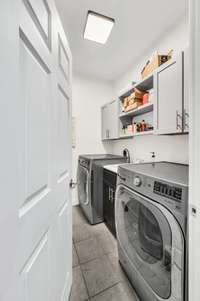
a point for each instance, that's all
(104, 290)
(77, 255)
(99, 257)
(94, 235)
(85, 282)
(117, 282)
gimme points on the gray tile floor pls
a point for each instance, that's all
(97, 275)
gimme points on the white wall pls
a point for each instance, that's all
(172, 148)
(88, 97)
(90, 94)
(176, 38)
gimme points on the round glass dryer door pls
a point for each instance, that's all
(145, 235)
(82, 182)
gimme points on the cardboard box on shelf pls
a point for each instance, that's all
(133, 106)
(133, 100)
(138, 93)
(156, 62)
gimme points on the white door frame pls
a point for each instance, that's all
(194, 198)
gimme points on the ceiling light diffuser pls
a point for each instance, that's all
(98, 27)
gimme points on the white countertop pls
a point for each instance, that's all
(112, 167)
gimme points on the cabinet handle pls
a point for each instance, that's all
(107, 133)
(178, 116)
(186, 116)
(113, 196)
(109, 193)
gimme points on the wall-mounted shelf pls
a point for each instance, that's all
(136, 134)
(145, 84)
(126, 136)
(127, 91)
(143, 133)
(139, 111)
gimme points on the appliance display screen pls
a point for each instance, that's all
(171, 192)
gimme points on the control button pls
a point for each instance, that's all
(137, 181)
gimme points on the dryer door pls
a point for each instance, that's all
(150, 236)
(83, 185)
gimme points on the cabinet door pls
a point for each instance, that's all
(106, 204)
(104, 121)
(186, 92)
(169, 97)
(113, 127)
(113, 189)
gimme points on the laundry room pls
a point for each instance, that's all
(100, 135)
(130, 105)
(131, 127)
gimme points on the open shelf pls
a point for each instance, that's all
(139, 111)
(126, 136)
(127, 91)
(143, 133)
(136, 134)
(145, 84)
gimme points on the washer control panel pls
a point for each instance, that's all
(171, 192)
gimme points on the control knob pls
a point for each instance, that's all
(137, 181)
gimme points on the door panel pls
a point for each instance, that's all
(104, 117)
(61, 252)
(109, 119)
(186, 90)
(45, 155)
(63, 120)
(63, 59)
(35, 94)
(113, 120)
(35, 215)
(35, 207)
(41, 16)
(35, 275)
(169, 97)
(9, 116)
(64, 252)
(40, 11)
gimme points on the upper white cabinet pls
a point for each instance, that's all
(110, 121)
(186, 91)
(104, 122)
(171, 100)
(168, 110)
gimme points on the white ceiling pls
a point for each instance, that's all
(138, 24)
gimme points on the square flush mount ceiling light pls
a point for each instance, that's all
(98, 27)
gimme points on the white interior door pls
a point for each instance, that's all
(37, 200)
(9, 230)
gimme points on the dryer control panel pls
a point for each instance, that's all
(171, 192)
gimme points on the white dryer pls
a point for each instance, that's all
(151, 222)
(90, 183)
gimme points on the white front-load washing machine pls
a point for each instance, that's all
(151, 222)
